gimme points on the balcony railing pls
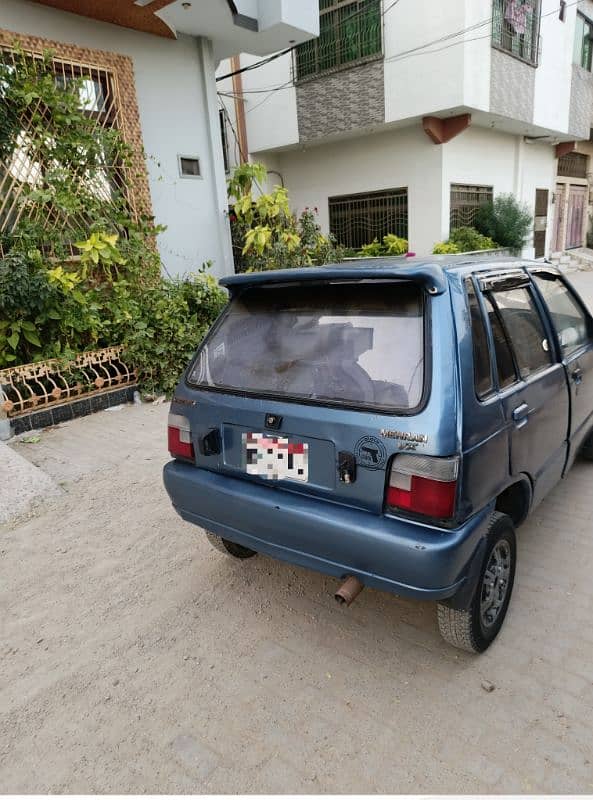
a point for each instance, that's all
(350, 33)
(515, 28)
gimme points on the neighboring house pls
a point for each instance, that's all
(150, 67)
(405, 116)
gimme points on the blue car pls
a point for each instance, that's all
(389, 424)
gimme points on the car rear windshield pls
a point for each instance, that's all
(356, 344)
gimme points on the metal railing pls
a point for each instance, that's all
(515, 28)
(35, 387)
(358, 219)
(350, 32)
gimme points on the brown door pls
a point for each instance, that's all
(541, 222)
(559, 210)
(575, 219)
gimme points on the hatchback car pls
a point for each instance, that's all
(389, 423)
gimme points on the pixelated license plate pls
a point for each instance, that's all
(275, 457)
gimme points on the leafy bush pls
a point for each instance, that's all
(445, 248)
(392, 245)
(60, 296)
(173, 318)
(506, 221)
(267, 235)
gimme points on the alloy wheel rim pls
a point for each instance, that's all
(495, 584)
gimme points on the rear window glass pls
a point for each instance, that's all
(356, 344)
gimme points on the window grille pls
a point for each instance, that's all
(465, 202)
(358, 219)
(515, 28)
(30, 148)
(350, 32)
(573, 165)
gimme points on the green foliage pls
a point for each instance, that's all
(445, 248)
(79, 272)
(506, 220)
(266, 233)
(172, 319)
(392, 245)
(464, 240)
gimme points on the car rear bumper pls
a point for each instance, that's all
(403, 557)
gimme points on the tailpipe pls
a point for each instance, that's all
(349, 591)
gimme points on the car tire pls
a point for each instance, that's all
(229, 548)
(475, 628)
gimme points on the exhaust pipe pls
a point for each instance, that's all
(349, 591)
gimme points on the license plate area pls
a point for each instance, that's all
(275, 457)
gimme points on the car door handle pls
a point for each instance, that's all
(577, 375)
(521, 415)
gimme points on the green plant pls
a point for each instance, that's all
(445, 248)
(506, 220)
(469, 239)
(392, 245)
(372, 250)
(267, 234)
(172, 319)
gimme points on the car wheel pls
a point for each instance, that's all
(475, 628)
(229, 548)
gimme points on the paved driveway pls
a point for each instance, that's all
(134, 658)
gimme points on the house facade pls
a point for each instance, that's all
(405, 116)
(150, 67)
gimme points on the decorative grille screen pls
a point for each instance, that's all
(357, 219)
(30, 148)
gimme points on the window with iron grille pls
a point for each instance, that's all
(515, 28)
(358, 219)
(32, 150)
(349, 32)
(573, 165)
(465, 202)
(583, 42)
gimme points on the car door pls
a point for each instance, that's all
(574, 331)
(532, 381)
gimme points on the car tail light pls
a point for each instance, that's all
(180, 443)
(424, 485)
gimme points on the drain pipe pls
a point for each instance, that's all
(349, 591)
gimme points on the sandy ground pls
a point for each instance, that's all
(134, 658)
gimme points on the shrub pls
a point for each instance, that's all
(506, 221)
(445, 248)
(267, 234)
(469, 239)
(392, 246)
(174, 316)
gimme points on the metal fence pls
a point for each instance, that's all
(358, 219)
(350, 32)
(515, 28)
(35, 387)
(465, 203)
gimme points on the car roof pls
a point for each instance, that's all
(430, 271)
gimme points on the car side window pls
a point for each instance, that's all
(483, 382)
(525, 329)
(505, 366)
(570, 321)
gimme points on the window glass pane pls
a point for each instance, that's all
(482, 368)
(525, 329)
(568, 317)
(355, 344)
(504, 357)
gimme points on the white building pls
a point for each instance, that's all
(404, 116)
(156, 60)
